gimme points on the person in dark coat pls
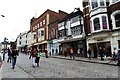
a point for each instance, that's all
(89, 53)
(9, 55)
(14, 57)
(101, 53)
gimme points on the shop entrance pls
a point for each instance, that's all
(106, 46)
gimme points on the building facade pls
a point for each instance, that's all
(72, 34)
(53, 48)
(22, 42)
(99, 30)
(39, 29)
(114, 14)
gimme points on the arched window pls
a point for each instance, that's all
(104, 22)
(96, 22)
(117, 20)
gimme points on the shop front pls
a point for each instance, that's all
(78, 46)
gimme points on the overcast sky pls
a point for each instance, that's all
(19, 12)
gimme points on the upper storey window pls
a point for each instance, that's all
(94, 3)
(114, 1)
(102, 3)
(117, 20)
(97, 3)
(75, 19)
(96, 22)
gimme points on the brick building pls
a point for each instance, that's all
(53, 45)
(39, 29)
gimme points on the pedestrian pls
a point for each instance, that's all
(46, 54)
(14, 57)
(65, 52)
(89, 54)
(114, 53)
(72, 54)
(118, 57)
(34, 55)
(101, 53)
(4, 52)
(38, 57)
(9, 55)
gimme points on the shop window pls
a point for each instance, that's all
(96, 22)
(104, 22)
(94, 3)
(117, 20)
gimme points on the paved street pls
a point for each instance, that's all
(59, 68)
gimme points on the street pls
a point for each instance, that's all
(58, 68)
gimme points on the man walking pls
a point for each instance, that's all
(9, 55)
(72, 53)
(14, 57)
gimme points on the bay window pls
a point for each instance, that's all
(96, 22)
(104, 22)
(117, 20)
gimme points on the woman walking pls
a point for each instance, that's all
(34, 55)
(38, 57)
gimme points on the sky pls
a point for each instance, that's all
(19, 12)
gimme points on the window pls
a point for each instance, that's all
(96, 23)
(117, 20)
(26, 41)
(34, 36)
(53, 33)
(26, 36)
(38, 26)
(40, 23)
(42, 33)
(43, 22)
(20, 37)
(75, 19)
(39, 34)
(94, 3)
(114, 1)
(102, 3)
(78, 30)
(104, 22)
(20, 43)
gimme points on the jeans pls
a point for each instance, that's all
(72, 56)
(33, 61)
(13, 62)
